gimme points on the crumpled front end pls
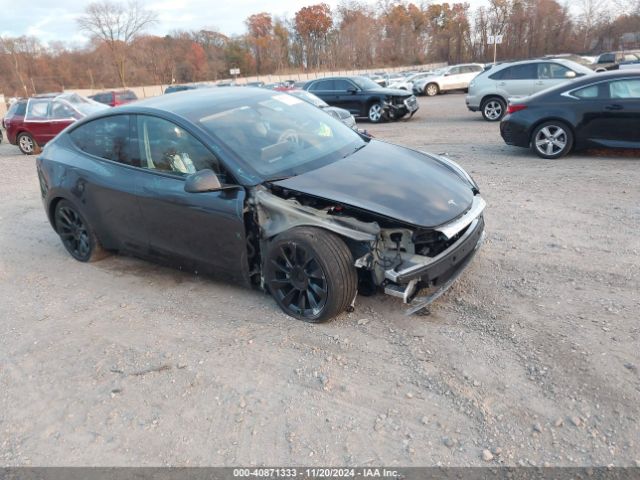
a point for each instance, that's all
(400, 260)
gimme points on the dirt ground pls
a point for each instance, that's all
(532, 358)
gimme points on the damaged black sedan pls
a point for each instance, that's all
(263, 188)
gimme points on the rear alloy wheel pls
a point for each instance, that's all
(76, 234)
(376, 113)
(493, 109)
(27, 144)
(552, 140)
(431, 90)
(310, 274)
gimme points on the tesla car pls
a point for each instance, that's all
(31, 123)
(264, 188)
(596, 111)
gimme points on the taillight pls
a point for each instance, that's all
(515, 108)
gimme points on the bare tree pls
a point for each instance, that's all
(117, 25)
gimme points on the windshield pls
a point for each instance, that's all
(309, 97)
(280, 135)
(365, 83)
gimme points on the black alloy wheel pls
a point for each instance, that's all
(76, 234)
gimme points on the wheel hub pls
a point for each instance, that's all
(299, 278)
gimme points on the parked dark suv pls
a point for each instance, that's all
(364, 98)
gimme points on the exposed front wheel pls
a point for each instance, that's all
(310, 274)
(27, 144)
(552, 140)
(493, 109)
(376, 113)
(76, 234)
(431, 90)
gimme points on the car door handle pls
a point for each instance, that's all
(502, 84)
(539, 82)
(614, 106)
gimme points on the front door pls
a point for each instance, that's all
(198, 230)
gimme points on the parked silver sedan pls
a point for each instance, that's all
(490, 91)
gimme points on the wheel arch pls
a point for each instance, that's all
(556, 118)
(489, 96)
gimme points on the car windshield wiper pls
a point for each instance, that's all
(355, 150)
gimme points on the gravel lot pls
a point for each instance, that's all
(531, 359)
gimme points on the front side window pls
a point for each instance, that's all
(106, 138)
(343, 85)
(552, 71)
(165, 147)
(454, 71)
(628, 88)
(607, 58)
(37, 109)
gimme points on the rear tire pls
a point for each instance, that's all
(310, 274)
(76, 234)
(493, 109)
(27, 144)
(551, 140)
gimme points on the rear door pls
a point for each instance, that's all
(325, 90)
(516, 81)
(36, 120)
(620, 118)
(61, 115)
(199, 230)
(108, 180)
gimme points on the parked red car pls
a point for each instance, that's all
(114, 98)
(31, 123)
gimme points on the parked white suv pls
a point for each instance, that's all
(490, 91)
(454, 77)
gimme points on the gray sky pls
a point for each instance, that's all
(51, 20)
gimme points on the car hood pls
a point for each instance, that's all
(393, 92)
(395, 182)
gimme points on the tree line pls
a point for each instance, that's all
(353, 35)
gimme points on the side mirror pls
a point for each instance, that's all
(352, 91)
(202, 181)
(570, 74)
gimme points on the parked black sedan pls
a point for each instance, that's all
(264, 188)
(364, 98)
(593, 111)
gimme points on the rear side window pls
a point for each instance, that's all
(37, 109)
(322, 85)
(592, 91)
(106, 138)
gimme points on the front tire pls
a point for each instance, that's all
(551, 140)
(376, 113)
(76, 234)
(27, 144)
(310, 274)
(493, 109)
(431, 90)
